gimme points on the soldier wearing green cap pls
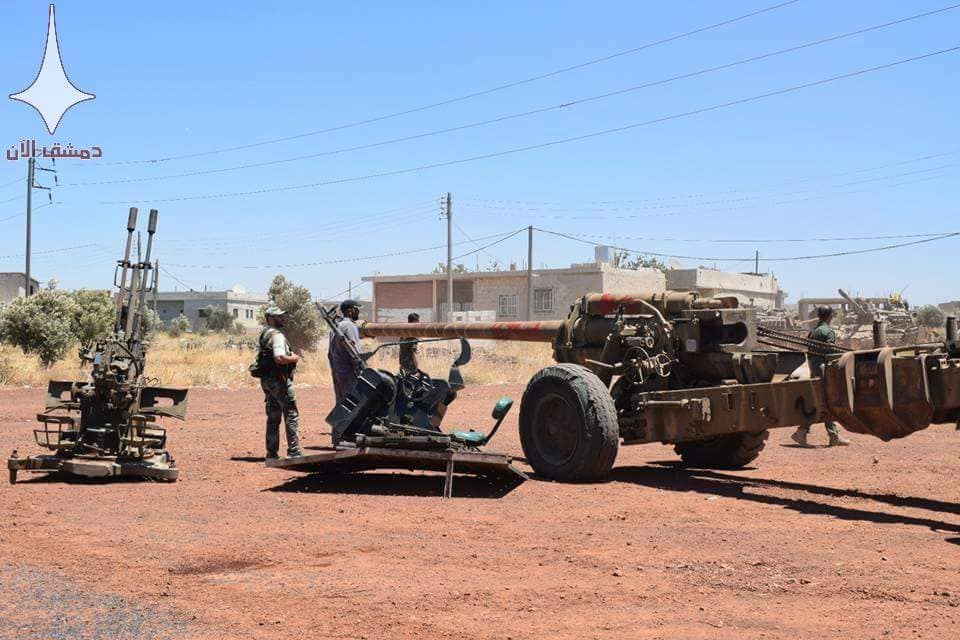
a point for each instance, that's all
(277, 364)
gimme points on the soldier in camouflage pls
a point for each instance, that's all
(823, 332)
(277, 383)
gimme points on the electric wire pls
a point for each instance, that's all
(504, 118)
(49, 251)
(468, 96)
(704, 194)
(175, 278)
(23, 213)
(555, 142)
(755, 258)
(503, 236)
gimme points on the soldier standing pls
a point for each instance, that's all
(343, 366)
(408, 349)
(277, 363)
(823, 332)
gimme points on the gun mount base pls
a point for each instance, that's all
(356, 459)
(160, 466)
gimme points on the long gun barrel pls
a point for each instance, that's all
(124, 267)
(517, 331)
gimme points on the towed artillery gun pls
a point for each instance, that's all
(679, 369)
(107, 425)
(899, 323)
(388, 420)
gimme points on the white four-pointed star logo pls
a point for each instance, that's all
(52, 93)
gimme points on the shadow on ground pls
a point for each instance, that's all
(399, 484)
(672, 476)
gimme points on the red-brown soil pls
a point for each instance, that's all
(859, 542)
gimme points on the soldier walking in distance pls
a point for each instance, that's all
(277, 363)
(408, 349)
(343, 367)
(823, 332)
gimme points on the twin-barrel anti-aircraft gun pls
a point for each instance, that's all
(107, 425)
(668, 367)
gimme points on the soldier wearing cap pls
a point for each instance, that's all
(276, 381)
(823, 332)
(343, 367)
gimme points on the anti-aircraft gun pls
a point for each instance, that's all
(679, 369)
(108, 425)
(387, 420)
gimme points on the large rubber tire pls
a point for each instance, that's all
(568, 424)
(734, 451)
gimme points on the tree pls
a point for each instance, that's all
(218, 319)
(457, 268)
(150, 324)
(623, 260)
(41, 324)
(95, 313)
(179, 325)
(931, 316)
(304, 326)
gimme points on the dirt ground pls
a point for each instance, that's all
(860, 542)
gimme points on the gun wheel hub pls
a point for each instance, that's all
(556, 431)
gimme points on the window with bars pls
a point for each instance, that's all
(543, 300)
(508, 306)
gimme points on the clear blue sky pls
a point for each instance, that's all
(178, 78)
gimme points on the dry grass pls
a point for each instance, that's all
(213, 362)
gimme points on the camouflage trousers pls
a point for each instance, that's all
(280, 399)
(816, 370)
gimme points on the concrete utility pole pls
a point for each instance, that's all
(530, 272)
(26, 269)
(449, 258)
(756, 262)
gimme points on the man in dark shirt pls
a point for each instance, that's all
(823, 332)
(408, 349)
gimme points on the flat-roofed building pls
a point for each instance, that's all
(242, 305)
(503, 295)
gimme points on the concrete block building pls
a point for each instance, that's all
(13, 286)
(503, 295)
(243, 305)
(761, 291)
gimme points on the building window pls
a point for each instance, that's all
(543, 300)
(236, 313)
(508, 306)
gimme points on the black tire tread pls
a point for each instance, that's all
(597, 458)
(733, 451)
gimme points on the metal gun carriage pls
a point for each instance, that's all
(675, 368)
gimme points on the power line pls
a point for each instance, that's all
(475, 243)
(766, 240)
(753, 258)
(573, 208)
(556, 142)
(167, 271)
(508, 203)
(21, 214)
(300, 234)
(60, 250)
(335, 296)
(475, 94)
(7, 184)
(504, 236)
(504, 118)
(485, 247)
